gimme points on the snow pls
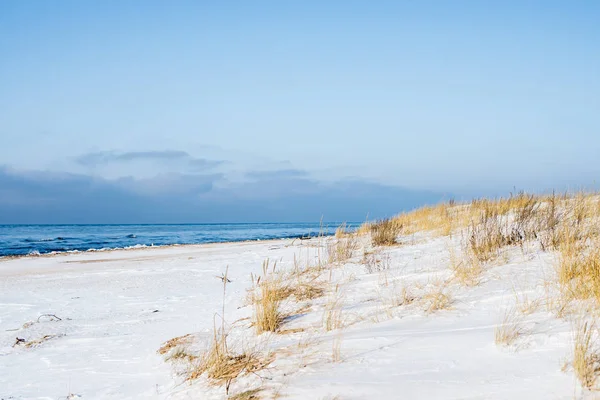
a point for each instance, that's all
(119, 307)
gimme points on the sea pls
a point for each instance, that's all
(22, 240)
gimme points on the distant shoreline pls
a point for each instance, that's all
(160, 246)
(42, 240)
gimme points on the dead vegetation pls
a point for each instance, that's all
(273, 287)
(332, 317)
(492, 223)
(336, 348)
(526, 305)
(342, 231)
(222, 366)
(397, 294)
(175, 342)
(385, 232)
(509, 329)
(586, 354)
(252, 394)
(437, 296)
(340, 250)
(466, 268)
(376, 262)
(269, 290)
(579, 269)
(33, 342)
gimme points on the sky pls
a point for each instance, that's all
(197, 111)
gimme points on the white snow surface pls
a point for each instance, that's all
(118, 307)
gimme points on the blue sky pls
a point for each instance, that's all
(148, 111)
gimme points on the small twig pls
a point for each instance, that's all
(223, 278)
(49, 315)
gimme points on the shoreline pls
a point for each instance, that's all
(148, 247)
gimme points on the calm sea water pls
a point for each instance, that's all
(41, 239)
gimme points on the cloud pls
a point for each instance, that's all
(171, 184)
(169, 156)
(277, 174)
(50, 197)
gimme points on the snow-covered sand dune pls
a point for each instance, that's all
(118, 307)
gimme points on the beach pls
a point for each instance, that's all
(117, 308)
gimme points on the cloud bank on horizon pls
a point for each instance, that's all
(266, 196)
(147, 111)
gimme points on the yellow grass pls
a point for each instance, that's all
(218, 363)
(222, 366)
(579, 269)
(342, 249)
(364, 229)
(332, 317)
(467, 270)
(307, 291)
(437, 296)
(269, 290)
(398, 295)
(509, 329)
(441, 219)
(385, 232)
(341, 231)
(586, 356)
(525, 305)
(252, 394)
(174, 343)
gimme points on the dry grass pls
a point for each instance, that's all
(579, 269)
(221, 366)
(504, 206)
(376, 262)
(436, 296)
(175, 342)
(336, 349)
(176, 349)
(35, 342)
(332, 317)
(308, 265)
(556, 301)
(492, 224)
(268, 290)
(252, 394)
(397, 295)
(342, 231)
(496, 222)
(307, 291)
(440, 219)
(180, 353)
(219, 363)
(586, 355)
(303, 279)
(341, 250)
(525, 305)
(467, 270)
(491, 233)
(385, 232)
(364, 229)
(509, 329)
